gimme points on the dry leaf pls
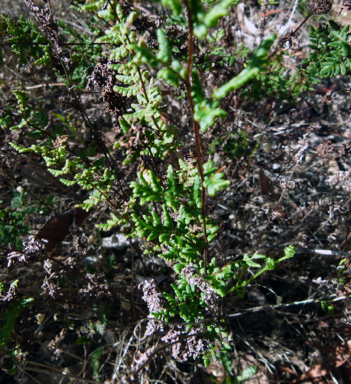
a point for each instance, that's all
(340, 354)
(58, 228)
(266, 187)
(318, 370)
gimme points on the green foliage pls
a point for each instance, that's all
(248, 262)
(256, 65)
(210, 19)
(32, 47)
(84, 53)
(27, 42)
(95, 361)
(166, 204)
(235, 145)
(331, 53)
(206, 111)
(13, 221)
(245, 375)
(329, 56)
(181, 243)
(213, 180)
(9, 317)
(289, 252)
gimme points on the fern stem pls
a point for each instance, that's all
(196, 127)
(153, 160)
(114, 11)
(310, 14)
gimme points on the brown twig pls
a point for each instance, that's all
(196, 128)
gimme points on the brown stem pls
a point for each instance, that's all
(143, 85)
(196, 127)
(114, 11)
(153, 160)
(308, 16)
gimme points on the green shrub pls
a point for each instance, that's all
(165, 203)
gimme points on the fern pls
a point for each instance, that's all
(9, 317)
(166, 205)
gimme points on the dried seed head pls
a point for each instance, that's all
(80, 243)
(152, 296)
(321, 7)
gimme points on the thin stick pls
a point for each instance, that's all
(114, 377)
(267, 306)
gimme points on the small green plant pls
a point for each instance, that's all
(235, 145)
(8, 318)
(13, 221)
(329, 56)
(134, 62)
